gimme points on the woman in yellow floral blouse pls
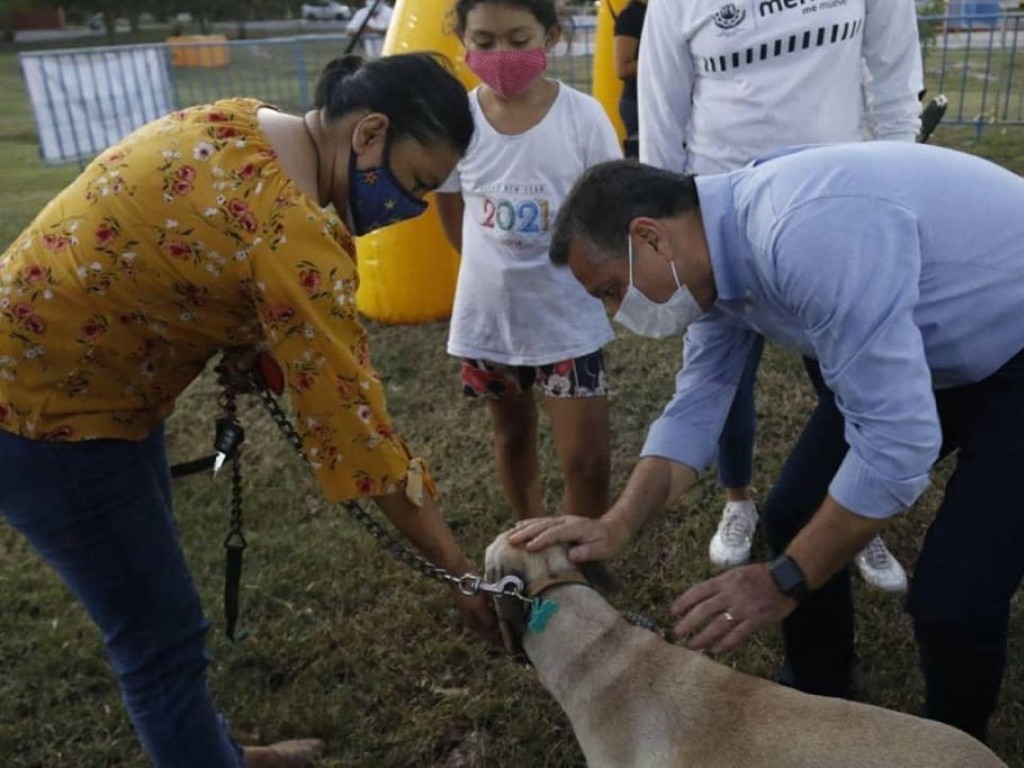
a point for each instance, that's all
(214, 228)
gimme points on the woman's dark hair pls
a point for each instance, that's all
(608, 196)
(417, 91)
(547, 12)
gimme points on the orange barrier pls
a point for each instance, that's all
(607, 87)
(36, 18)
(199, 51)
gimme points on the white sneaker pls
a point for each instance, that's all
(880, 569)
(730, 546)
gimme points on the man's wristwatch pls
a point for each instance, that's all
(788, 577)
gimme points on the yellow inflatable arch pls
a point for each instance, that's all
(408, 271)
(606, 85)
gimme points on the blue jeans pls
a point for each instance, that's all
(736, 443)
(99, 512)
(971, 562)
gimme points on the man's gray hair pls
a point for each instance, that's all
(606, 198)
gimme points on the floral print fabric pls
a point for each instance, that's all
(182, 240)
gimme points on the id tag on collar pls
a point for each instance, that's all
(541, 612)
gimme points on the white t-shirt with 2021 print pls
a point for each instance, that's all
(512, 305)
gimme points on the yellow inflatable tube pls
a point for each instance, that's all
(408, 271)
(607, 88)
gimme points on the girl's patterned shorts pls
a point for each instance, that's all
(582, 377)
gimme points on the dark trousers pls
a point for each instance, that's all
(736, 443)
(630, 114)
(970, 565)
(99, 513)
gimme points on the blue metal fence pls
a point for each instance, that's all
(973, 58)
(976, 59)
(284, 70)
(86, 100)
(82, 103)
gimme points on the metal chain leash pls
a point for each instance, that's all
(646, 622)
(230, 437)
(228, 441)
(467, 583)
(235, 538)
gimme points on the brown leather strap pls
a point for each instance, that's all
(540, 586)
(512, 618)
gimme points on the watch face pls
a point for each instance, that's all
(788, 577)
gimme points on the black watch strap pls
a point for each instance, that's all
(789, 577)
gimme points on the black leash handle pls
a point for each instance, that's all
(227, 441)
(931, 115)
(194, 467)
(232, 582)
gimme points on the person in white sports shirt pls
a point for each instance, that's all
(519, 322)
(373, 28)
(722, 83)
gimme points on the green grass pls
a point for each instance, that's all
(27, 184)
(988, 82)
(351, 647)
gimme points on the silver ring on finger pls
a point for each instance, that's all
(728, 616)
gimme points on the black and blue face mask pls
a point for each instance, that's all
(376, 198)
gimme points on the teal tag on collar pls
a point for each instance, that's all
(541, 612)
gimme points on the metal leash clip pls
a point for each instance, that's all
(507, 586)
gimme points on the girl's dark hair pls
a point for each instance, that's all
(417, 91)
(547, 12)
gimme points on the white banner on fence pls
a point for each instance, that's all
(86, 100)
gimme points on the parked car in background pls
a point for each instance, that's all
(325, 10)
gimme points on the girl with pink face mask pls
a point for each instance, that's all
(519, 321)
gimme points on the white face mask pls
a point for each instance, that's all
(645, 317)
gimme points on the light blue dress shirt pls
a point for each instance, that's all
(899, 267)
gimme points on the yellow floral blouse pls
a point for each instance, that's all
(184, 239)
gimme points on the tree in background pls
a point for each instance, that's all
(7, 10)
(203, 12)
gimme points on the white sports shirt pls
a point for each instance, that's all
(376, 27)
(721, 83)
(512, 305)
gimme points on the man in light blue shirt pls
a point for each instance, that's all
(900, 268)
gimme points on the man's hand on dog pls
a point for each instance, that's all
(729, 607)
(588, 539)
(725, 609)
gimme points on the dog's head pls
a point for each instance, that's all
(538, 571)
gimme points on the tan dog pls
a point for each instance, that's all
(635, 700)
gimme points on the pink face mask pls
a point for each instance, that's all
(508, 73)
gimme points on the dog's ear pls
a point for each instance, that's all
(493, 565)
(601, 577)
